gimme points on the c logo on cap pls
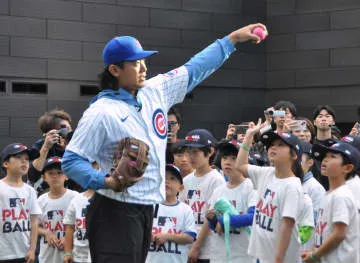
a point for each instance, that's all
(159, 123)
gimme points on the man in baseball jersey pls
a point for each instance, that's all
(119, 223)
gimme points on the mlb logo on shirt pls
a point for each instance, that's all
(16, 202)
(167, 221)
(83, 212)
(54, 213)
(192, 193)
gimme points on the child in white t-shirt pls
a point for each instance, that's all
(76, 245)
(280, 196)
(18, 206)
(239, 191)
(199, 185)
(53, 205)
(310, 185)
(354, 182)
(174, 225)
(337, 228)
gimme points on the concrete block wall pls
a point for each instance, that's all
(313, 55)
(59, 42)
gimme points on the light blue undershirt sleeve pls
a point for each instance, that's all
(204, 63)
(80, 170)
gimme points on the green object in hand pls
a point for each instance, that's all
(224, 208)
(305, 233)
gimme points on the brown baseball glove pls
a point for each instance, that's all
(130, 162)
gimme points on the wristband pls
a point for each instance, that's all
(245, 147)
(313, 258)
(68, 255)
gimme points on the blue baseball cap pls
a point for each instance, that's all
(124, 48)
(199, 138)
(306, 147)
(52, 162)
(353, 140)
(16, 148)
(319, 152)
(291, 140)
(175, 171)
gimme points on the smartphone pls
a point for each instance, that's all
(298, 125)
(241, 128)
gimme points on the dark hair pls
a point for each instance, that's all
(284, 104)
(107, 80)
(51, 119)
(206, 150)
(175, 111)
(178, 150)
(345, 162)
(2, 171)
(296, 167)
(319, 108)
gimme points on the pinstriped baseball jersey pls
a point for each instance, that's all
(106, 121)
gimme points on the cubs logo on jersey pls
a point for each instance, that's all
(159, 123)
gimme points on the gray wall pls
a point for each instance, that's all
(313, 55)
(59, 42)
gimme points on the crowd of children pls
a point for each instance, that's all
(234, 211)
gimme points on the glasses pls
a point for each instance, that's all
(172, 123)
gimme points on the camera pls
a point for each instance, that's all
(275, 113)
(170, 127)
(63, 132)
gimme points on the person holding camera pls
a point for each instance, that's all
(55, 126)
(281, 116)
(174, 120)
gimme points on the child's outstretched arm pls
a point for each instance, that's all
(243, 155)
(284, 240)
(331, 243)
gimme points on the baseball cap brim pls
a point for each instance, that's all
(194, 145)
(228, 145)
(141, 55)
(268, 137)
(50, 166)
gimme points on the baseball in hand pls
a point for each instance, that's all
(260, 32)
